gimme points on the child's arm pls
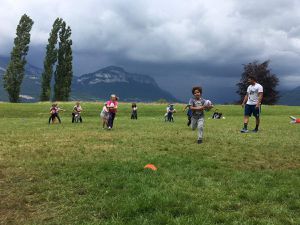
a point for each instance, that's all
(201, 108)
(187, 106)
(197, 108)
(112, 107)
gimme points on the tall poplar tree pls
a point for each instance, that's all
(64, 71)
(14, 74)
(50, 60)
(69, 66)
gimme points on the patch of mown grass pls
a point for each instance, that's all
(81, 174)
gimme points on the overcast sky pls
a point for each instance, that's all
(180, 43)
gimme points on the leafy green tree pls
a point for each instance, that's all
(14, 74)
(64, 71)
(50, 60)
(264, 76)
(68, 64)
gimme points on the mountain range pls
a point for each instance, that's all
(31, 84)
(100, 84)
(290, 97)
(93, 86)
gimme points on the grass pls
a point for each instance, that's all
(81, 174)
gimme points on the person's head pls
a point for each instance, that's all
(77, 103)
(113, 97)
(251, 80)
(133, 105)
(197, 92)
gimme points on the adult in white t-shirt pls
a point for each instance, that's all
(252, 103)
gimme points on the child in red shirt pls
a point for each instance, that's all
(54, 110)
(112, 106)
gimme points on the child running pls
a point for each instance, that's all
(54, 110)
(134, 111)
(112, 106)
(197, 105)
(169, 114)
(188, 114)
(104, 115)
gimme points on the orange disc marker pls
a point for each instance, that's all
(150, 166)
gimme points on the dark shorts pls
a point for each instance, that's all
(251, 109)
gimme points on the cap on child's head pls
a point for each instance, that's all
(113, 96)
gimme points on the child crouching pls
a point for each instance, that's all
(54, 110)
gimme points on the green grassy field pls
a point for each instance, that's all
(82, 174)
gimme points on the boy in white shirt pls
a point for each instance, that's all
(252, 103)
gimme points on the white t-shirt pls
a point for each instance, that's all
(252, 92)
(104, 109)
(77, 109)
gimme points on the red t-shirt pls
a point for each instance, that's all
(111, 104)
(54, 110)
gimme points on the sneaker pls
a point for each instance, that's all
(199, 141)
(254, 131)
(109, 128)
(244, 130)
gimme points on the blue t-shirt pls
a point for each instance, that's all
(189, 112)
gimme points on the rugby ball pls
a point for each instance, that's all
(207, 103)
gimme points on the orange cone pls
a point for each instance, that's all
(150, 166)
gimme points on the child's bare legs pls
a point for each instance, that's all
(104, 123)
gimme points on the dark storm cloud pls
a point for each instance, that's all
(178, 42)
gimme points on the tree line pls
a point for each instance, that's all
(58, 64)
